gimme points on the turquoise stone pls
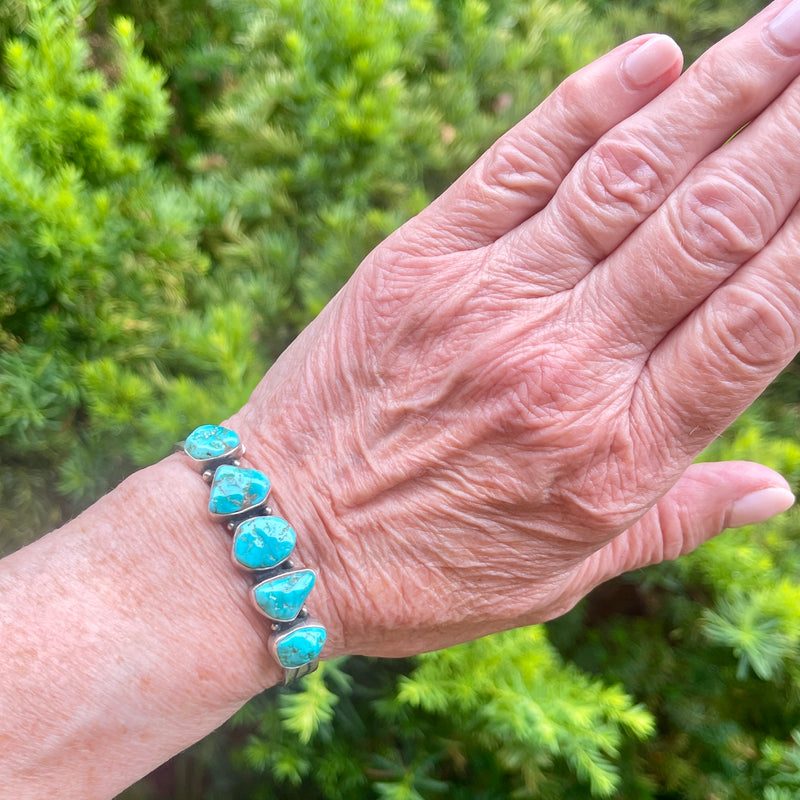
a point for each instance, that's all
(281, 598)
(262, 542)
(210, 441)
(300, 646)
(236, 489)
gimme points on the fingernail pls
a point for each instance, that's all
(650, 61)
(784, 30)
(759, 506)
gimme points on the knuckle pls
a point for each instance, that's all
(573, 90)
(573, 104)
(760, 331)
(530, 159)
(625, 172)
(723, 83)
(515, 166)
(721, 219)
(603, 521)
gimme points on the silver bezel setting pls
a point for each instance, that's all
(270, 575)
(208, 466)
(281, 629)
(281, 632)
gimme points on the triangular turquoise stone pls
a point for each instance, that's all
(282, 597)
(300, 646)
(235, 489)
(210, 441)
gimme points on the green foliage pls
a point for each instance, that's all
(761, 628)
(105, 343)
(311, 710)
(345, 118)
(695, 24)
(503, 717)
(193, 42)
(512, 695)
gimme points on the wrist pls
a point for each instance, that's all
(306, 428)
(204, 584)
(300, 496)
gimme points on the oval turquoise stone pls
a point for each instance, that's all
(263, 542)
(210, 441)
(300, 646)
(236, 489)
(282, 597)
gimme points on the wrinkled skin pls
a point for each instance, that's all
(500, 409)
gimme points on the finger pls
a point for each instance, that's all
(519, 174)
(630, 172)
(722, 215)
(722, 356)
(707, 499)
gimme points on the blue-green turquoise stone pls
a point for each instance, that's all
(236, 489)
(281, 598)
(210, 441)
(300, 646)
(263, 542)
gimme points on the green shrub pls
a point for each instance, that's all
(106, 342)
(501, 717)
(346, 118)
(193, 41)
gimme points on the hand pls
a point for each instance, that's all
(500, 409)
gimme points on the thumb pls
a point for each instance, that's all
(707, 499)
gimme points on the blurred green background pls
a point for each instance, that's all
(183, 185)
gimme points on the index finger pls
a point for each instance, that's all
(629, 173)
(520, 173)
